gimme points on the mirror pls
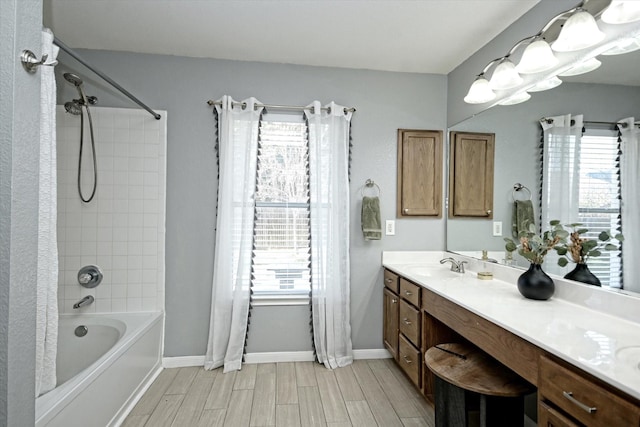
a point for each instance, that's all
(608, 94)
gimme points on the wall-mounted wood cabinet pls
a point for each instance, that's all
(471, 174)
(419, 173)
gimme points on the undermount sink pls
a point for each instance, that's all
(629, 355)
(434, 271)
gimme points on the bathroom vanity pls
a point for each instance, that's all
(583, 360)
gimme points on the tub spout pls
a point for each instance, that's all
(84, 301)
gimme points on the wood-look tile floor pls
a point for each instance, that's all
(365, 394)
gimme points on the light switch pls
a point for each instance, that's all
(390, 227)
(497, 228)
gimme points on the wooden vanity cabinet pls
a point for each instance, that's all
(419, 191)
(390, 312)
(409, 324)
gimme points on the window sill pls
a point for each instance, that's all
(272, 300)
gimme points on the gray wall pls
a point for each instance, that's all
(517, 139)
(385, 102)
(20, 28)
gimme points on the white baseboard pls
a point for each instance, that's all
(273, 357)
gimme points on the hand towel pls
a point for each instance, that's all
(522, 217)
(371, 224)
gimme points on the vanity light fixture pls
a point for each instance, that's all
(537, 57)
(546, 84)
(480, 91)
(622, 12)
(579, 32)
(505, 76)
(516, 99)
(585, 67)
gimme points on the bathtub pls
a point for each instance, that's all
(101, 374)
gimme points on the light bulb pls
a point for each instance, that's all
(579, 32)
(537, 57)
(585, 67)
(479, 92)
(546, 85)
(505, 76)
(621, 12)
(516, 99)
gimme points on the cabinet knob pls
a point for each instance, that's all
(489, 212)
(406, 321)
(406, 210)
(394, 301)
(407, 360)
(388, 280)
(408, 293)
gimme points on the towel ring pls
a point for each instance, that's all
(370, 184)
(519, 187)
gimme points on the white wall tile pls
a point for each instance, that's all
(122, 229)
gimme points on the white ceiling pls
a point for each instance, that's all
(422, 36)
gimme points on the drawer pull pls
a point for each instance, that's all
(569, 395)
(406, 321)
(408, 293)
(394, 301)
(407, 360)
(388, 280)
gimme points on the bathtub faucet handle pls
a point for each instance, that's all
(85, 278)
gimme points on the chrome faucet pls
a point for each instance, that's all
(84, 301)
(457, 266)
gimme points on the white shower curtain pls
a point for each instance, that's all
(47, 275)
(629, 180)
(329, 222)
(238, 153)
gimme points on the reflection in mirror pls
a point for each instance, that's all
(606, 95)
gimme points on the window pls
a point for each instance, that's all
(281, 254)
(599, 202)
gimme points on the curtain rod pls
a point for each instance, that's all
(277, 107)
(588, 122)
(104, 77)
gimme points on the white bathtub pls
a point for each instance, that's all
(101, 374)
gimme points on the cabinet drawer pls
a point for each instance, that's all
(549, 417)
(409, 322)
(574, 394)
(391, 281)
(410, 360)
(410, 292)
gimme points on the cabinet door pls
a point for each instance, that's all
(419, 173)
(471, 174)
(549, 417)
(390, 320)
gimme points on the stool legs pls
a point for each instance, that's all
(451, 405)
(501, 411)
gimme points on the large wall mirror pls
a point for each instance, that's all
(608, 94)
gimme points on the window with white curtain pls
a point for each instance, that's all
(599, 197)
(281, 250)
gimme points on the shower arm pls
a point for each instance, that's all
(104, 77)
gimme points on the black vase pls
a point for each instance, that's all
(582, 274)
(535, 284)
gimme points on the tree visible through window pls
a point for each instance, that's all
(281, 254)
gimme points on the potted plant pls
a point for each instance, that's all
(580, 248)
(535, 283)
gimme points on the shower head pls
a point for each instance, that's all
(73, 107)
(73, 79)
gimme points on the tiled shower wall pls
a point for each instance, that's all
(122, 230)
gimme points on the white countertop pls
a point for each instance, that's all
(605, 345)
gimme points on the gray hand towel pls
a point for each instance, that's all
(371, 224)
(522, 216)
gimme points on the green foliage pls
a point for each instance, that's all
(534, 247)
(579, 248)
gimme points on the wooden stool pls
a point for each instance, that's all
(462, 373)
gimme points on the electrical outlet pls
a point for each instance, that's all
(497, 228)
(390, 227)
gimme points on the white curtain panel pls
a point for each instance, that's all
(329, 218)
(560, 175)
(47, 275)
(238, 153)
(629, 180)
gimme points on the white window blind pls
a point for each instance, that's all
(599, 203)
(281, 254)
